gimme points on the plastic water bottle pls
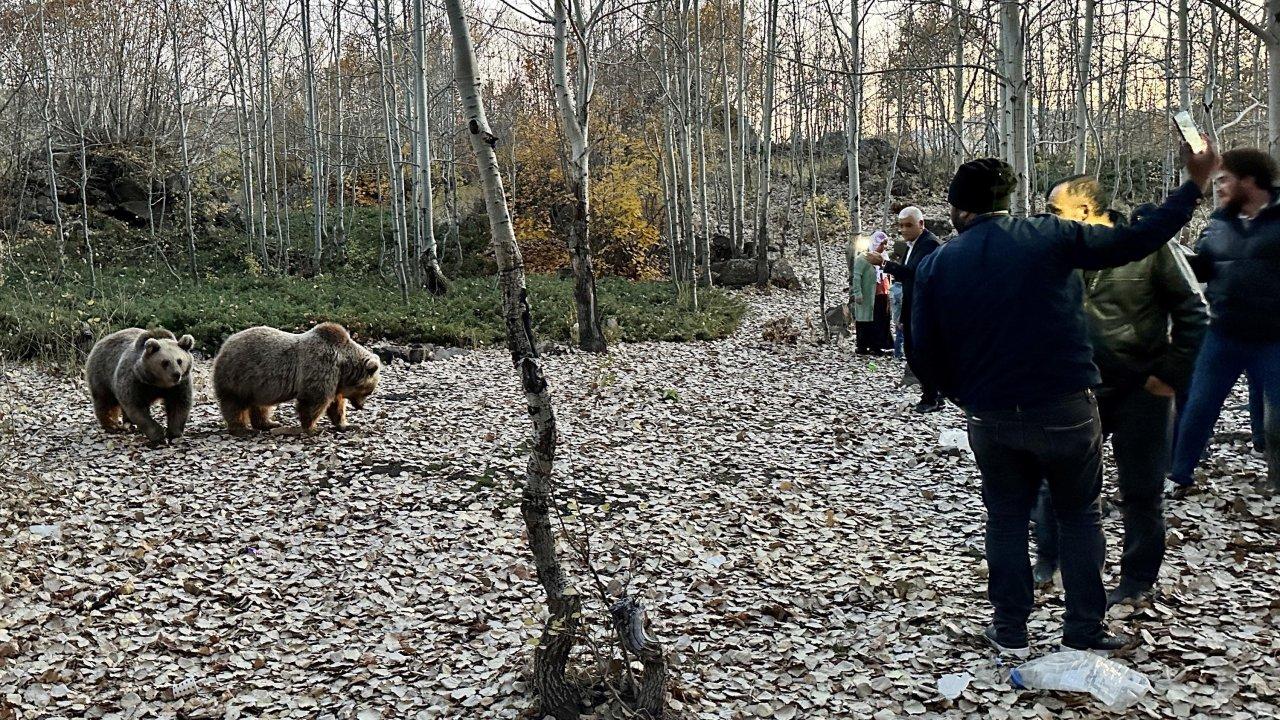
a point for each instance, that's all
(1115, 685)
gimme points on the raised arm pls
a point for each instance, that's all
(1093, 247)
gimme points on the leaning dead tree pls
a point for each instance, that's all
(556, 695)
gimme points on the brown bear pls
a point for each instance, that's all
(131, 369)
(322, 369)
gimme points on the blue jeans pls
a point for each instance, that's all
(895, 317)
(1221, 361)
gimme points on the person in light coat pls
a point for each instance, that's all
(863, 277)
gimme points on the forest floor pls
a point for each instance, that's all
(806, 547)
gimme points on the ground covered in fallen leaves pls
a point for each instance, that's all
(806, 547)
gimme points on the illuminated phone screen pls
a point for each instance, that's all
(1189, 132)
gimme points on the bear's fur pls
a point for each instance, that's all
(322, 369)
(131, 369)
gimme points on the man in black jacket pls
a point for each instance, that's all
(1146, 322)
(921, 243)
(998, 317)
(1239, 257)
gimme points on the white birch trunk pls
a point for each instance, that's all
(735, 230)
(182, 135)
(853, 131)
(313, 135)
(428, 257)
(957, 87)
(1012, 47)
(1082, 89)
(766, 146)
(556, 696)
(575, 118)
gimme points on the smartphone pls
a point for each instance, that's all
(1189, 131)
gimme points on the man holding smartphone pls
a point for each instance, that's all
(1013, 351)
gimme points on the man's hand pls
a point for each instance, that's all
(857, 301)
(1200, 166)
(875, 258)
(1159, 388)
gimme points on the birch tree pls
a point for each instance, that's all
(313, 135)
(556, 695)
(391, 125)
(957, 87)
(428, 257)
(766, 144)
(1012, 53)
(575, 115)
(182, 135)
(1267, 30)
(46, 116)
(1082, 88)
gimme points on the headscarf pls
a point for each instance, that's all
(878, 240)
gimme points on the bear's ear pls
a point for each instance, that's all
(371, 365)
(152, 345)
(187, 342)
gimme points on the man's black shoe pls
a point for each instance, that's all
(1020, 650)
(924, 407)
(1043, 573)
(1105, 644)
(1128, 594)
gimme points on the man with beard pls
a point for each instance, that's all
(921, 244)
(1146, 321)
(1239, 257)
(998, 321)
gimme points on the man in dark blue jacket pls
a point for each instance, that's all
(1239, 257)
(1000, 328)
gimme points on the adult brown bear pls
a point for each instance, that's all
(322, 369)
(130, 370)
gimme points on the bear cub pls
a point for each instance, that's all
(322, 369)
(130, 370)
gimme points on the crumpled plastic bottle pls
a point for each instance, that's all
(1115, 685)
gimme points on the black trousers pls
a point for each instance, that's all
(928, 393)
(1141, 428)
(1058, 441)
(882, 329)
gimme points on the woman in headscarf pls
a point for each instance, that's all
(863, 280)
(882, 326)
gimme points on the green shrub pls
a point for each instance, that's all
(41, 318)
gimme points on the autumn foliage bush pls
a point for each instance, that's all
(624, 240)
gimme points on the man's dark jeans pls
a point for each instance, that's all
(1218, 366)
(1141, 428)
(928, 393)
(1058, 441)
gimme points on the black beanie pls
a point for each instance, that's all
(982, 186)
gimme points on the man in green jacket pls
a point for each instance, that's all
(1146, 321)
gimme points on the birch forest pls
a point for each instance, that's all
(585, 261)
(324, 136)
